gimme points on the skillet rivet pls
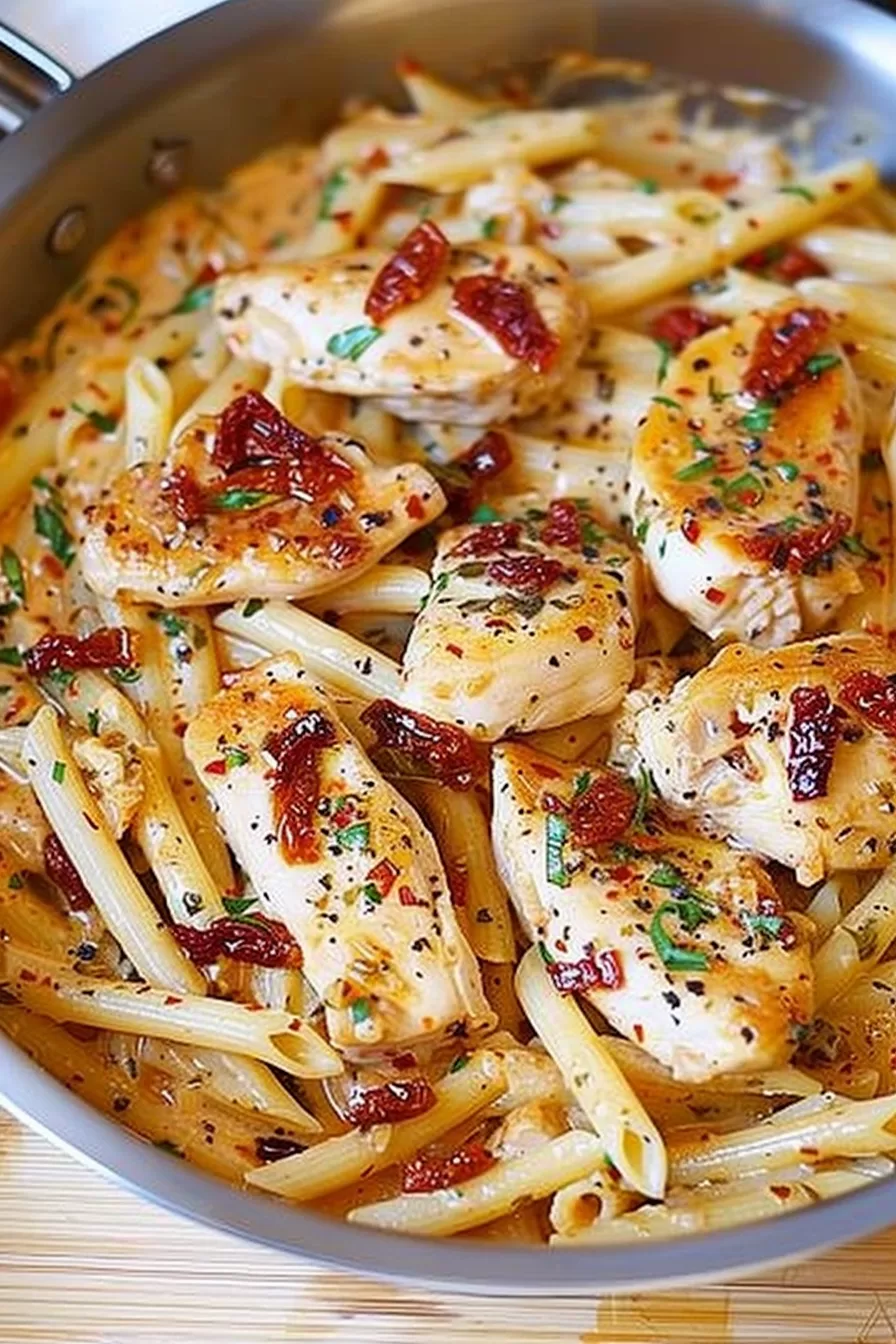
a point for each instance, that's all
(167, 163)
(69, 230)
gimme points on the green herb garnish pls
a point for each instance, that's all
(788, 471)
(352, 343)
(558, 201)
(360, 1011)
(818, 364)
(666, 354)
(648, 185)
(254, 605)
(12, 572)
(668, 401)
(329, 191)
(104, 424)
(199, 296)
(491, 226)
(759, 417)
(58, 772)
(355, 836)
(48, 524)
(556, 832)
(697, 469)
(10, 656)
(236, 500)
(802, 192)
(673, 957)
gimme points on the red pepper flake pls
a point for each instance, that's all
(715, 596)
(452, 756)
(638, 1032)
(109, 646)
(815, 727)
(61, 871)
(603, 812)
(690, 528)
(411, 273)
(183, 493)
(679, 326)
(583, 633)
(506, 311)
(769, 904)
(407, 65)
(296, 749)
(782, 347)
(873, 697)
(414, 508)
(383, 875)
(343, 218)
(216, 767)
(596, 970)
(454, 649)
(488, 539)
(407, 897)
(528, 574)
(438, 1173)
(377, 158)
(257, 447)
(796, 551)
(258, 941)
(56, 412)
(563, 526)
(399, 1099)
(720, 181)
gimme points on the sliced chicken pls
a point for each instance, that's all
(745, 478)
(337, 855)
(681, 943)
(789, 753)
(529, 623)
(426, 360)
(209, 525)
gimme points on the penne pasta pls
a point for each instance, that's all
(340, 661)
(125, 906)
(626, 1131)
(442, 1213)
(335, 1163)
(148, 409)
(48, 988)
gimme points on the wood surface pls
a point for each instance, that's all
(82, 1262)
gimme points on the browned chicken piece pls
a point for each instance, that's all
(680, 942)
(789, 753)
(250, 506)
(338, 856)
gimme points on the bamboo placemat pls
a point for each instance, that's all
(82, 1262)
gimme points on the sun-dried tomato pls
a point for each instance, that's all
(399, 1099)
(596, 970)
(183, 494)
(252, 433)
(798, 550)
(489, 539)
(528, 574)
(448, 753)
(487, 457)
(259, 941)
(60, 869)
(563, 526)
(787, 263)
(273, 1147)
(109, 646)
(507, 311)
(815, 727)
(720, 181)
(679, 326)
(296, 750)
(603, 811)
(438, 1173)
(872, 696)
(411, 273)
(782, 347)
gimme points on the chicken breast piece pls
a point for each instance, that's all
(789, 753)
(529, 623)
(337, 855)
(680, 942)
(187, 531)
(426, 360)
(745, 478)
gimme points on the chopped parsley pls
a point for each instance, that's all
(235, 756)
(237, 906)
(329, 191)
(666, 353)
(254, 605)
(49, 524)
(491, 226)
(198, 296)
(233, 501)
(58, 772)
(10, 656)
(795, 190)
(556, 832)
(558, 201)
(648, 185)
(701, 467)
(355, 836)
(667, 401)
(674, 957)
(484, 513)
(788, 471)
(93, 722)
(12, 572)
(818, 364)
(172, 625)
(352, 343)
(104, 424)
(759, 417)
(360, 1011)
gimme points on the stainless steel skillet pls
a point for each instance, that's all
(188, 106)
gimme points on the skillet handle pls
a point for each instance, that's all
(29, 77)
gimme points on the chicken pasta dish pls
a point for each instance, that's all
(447, 680)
